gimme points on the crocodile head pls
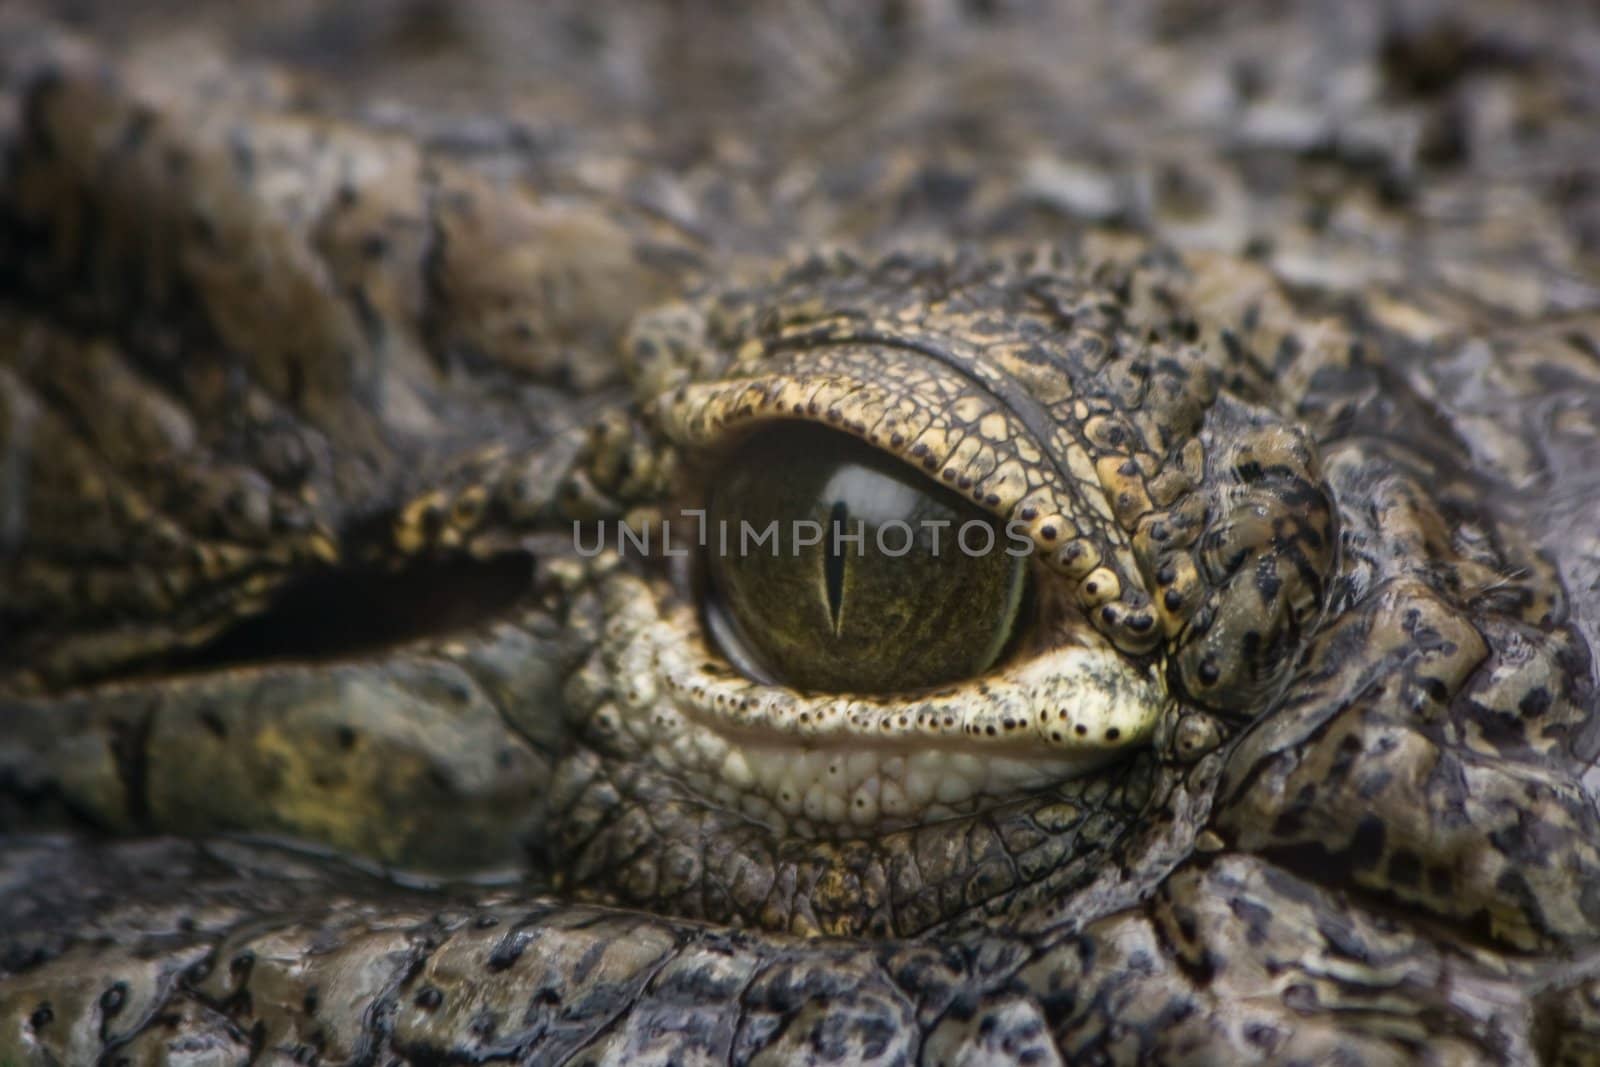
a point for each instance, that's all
(453, 611)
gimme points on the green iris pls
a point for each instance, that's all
(835, 567)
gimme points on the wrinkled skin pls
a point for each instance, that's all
(320, 742)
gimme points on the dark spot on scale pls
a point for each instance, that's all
(428, 998)
(1535, 702)
(1109, 612)
(897, 439)
(1172, 599)
(1048, 533)
(1209, 673)
(1261, 1035)
(346, 738)
(1113, 733)
(1230, 343)
(1028, 513)
(993, 500)
(42, 1016)
(1081, 730)
(1405, 868)
(1366, 846)
(112, 1000)
(1289, 350)
(507, 952)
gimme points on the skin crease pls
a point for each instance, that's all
(320, 328)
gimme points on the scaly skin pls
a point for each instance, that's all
(321, 741)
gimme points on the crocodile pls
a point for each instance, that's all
(379, 384)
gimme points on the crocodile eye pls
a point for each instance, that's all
(845, 570)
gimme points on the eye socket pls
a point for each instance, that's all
(866, 578)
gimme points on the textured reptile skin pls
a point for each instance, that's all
(1276, 331)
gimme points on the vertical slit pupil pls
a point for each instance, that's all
(833, 565)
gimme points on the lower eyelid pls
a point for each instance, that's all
(829, 766)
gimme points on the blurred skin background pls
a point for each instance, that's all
(1340, 143)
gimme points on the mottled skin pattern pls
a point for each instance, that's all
(320, 743)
